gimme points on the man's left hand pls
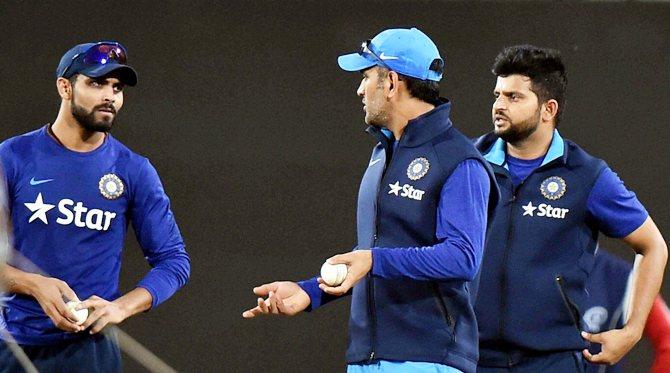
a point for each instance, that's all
(615, 344)
(358, 263)
(101, 313)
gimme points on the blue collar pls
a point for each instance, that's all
(496, 154)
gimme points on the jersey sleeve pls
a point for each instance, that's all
(460, 229)
(159, 237)
(317, 297)
(616, 210)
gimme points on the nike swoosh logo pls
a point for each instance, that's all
(38, 182)
(373, 162)
(385, 57)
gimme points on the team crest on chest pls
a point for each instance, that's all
(553, 188)
(111, 187)
(418, 168)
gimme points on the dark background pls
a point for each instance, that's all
(258, 136)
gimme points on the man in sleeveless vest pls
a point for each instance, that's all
(555, 200)
(423, 209)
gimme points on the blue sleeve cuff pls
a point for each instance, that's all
(316, 296)
(168, 276)
(311, 287)
(378, 262)
(154, 296)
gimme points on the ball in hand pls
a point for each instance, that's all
(81, 315)
(333, 274)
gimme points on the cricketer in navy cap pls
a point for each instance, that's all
(96, 60)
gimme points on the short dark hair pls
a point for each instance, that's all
(424, 90)
(543, 66)
(73, 79)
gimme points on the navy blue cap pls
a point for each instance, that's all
(86, 59)
(406, 51)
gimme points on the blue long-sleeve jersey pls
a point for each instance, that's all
(70, 212)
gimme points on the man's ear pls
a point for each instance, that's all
(394, 84)
(64, 88)
(549, 111)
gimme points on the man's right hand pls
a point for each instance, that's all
(283, 298)
(51, 294)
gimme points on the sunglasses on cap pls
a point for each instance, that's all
(100, 54)
(368, 48)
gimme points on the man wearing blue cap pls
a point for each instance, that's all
(72, 189)
(423, 208)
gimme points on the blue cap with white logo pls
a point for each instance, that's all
(96, 60)
(406, 51)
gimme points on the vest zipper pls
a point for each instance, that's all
(503, 282)
(371, 284)
(445, 311)
(572, 309)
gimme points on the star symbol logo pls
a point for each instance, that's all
(39, 209)
(395, 188)
(528, 209)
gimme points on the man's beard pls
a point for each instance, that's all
(375, 115)
(518, 132)
(86, 119)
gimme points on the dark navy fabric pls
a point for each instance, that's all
(68, 225)
(607, 286)
(96, 353)
(539, 253)
(558, 362)
(461, 228)
(403, 319)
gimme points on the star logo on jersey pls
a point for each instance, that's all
(544, 210)
(408, 191)
(528, 209)
(395, 188)
(39, 209)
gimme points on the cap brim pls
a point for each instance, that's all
(125, 73)
(354, 62)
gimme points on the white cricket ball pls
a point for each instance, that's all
(81, 315)
(333, 274)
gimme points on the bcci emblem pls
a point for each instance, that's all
(418, 168)
(553, 188)
(111, 187)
